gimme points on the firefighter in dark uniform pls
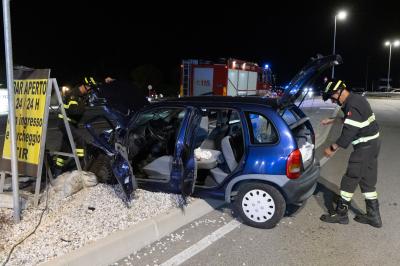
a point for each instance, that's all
(362, 131)
(75, 106)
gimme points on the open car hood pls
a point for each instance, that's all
(307, 75)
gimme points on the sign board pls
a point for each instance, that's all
(203, 81)
(31, 89)
(3, 101)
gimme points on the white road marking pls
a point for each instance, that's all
(323, 161)
(202, 244)
(327, 108)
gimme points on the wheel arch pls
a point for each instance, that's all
(276, 181)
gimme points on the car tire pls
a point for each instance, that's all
(101, 167)
(259, 205)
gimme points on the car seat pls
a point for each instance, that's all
(213, 141)
(160, 168)
(229, 156)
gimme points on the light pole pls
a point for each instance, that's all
(341, 15)
(395, 44)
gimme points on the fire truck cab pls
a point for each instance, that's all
(231, 77)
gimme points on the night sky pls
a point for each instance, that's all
(112, 38)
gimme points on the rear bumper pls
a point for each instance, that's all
(298, 190)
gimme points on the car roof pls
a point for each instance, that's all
(265, 101)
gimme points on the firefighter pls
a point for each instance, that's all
(362, 131)
(74, 106)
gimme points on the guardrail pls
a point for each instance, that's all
(383, 94)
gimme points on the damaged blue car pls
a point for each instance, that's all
(255, 152)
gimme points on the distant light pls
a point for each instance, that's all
(387, 43)
(342, 15)
(244, 66)
(234, 64)
(396, 43)
(266, 66)
(64, 89)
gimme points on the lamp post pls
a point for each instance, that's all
(341, 15)
(390, 44)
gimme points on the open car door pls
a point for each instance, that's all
(184, 169)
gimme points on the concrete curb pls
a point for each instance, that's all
(322, 138)
(123, 243)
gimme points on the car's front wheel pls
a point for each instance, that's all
(259, 205)
(102, 168)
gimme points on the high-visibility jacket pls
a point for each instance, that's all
(360, 124)
(75, 109)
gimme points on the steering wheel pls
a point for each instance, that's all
(155, 134)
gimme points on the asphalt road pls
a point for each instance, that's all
(300, 238)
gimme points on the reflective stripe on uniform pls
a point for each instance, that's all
(337, 85)
(66, 106)
(328, 86)
(60, 162)
(69, 119)
(80, 152)
(61, 116)
(360, 124)
(346, 195)
(371, 195)
(365, 139)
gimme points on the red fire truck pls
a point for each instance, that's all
(230, 77)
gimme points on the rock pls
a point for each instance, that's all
(89, 179)
(73, 183)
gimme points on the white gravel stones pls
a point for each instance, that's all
(72, 222)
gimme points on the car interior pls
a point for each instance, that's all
(219, 136)
(152, 142)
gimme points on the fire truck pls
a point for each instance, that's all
(230, 77)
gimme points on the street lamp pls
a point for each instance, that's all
(396, 43)
(341, 15)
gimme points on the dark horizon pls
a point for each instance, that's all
(81, 39)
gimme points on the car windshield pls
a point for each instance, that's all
(160, 114)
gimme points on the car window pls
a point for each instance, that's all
(262, 131)
(163, 114)
(289, 117)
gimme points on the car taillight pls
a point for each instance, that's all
(293, 165)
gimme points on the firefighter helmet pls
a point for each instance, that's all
(332, 86)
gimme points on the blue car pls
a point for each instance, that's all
(254, 152)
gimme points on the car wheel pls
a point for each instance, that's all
(260, 205)
(101, 167)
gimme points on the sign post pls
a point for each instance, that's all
(11, 118)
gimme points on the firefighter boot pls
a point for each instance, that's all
(372, 217)
(339, 215)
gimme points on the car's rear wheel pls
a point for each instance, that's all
(259, 205)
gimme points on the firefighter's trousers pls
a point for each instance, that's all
(362, 168)
(65, 145)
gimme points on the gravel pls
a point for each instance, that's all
(70, 223)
